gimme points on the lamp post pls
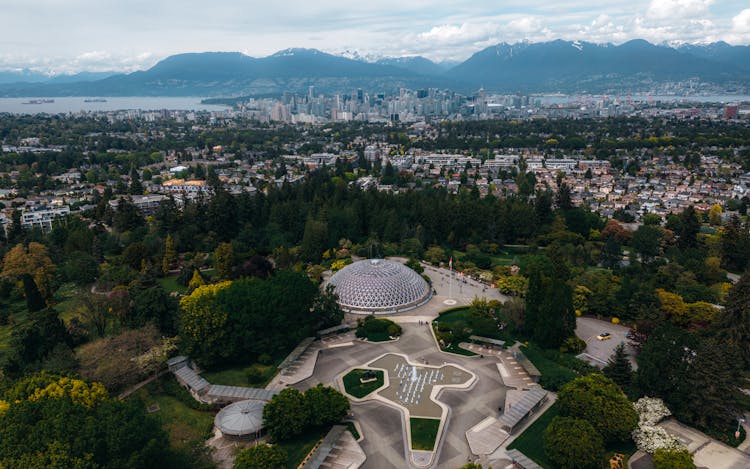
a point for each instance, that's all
(740, 421)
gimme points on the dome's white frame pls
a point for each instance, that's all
(379, 286)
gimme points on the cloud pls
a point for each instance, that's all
(111, 35)
(671, 9)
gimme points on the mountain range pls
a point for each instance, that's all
(555, 66)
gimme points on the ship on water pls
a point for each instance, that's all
(95, 100)
(39, 101)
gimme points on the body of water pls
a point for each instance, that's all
(641, 98)
(78, 104)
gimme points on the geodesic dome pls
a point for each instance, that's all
(379, 286)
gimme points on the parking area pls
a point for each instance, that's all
(589, 328)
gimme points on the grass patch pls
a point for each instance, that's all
(423, 433)
(377, 329)
(297, 448)
(170, 284)
(458, 321)
(66, 299)
(556, 368)
(531, 442)
(356, 388)
(256, 375)
(353, 430)
(186, 427)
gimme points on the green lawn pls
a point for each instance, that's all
(557, 368)
(530, 442)
(353, 430)
(238, 376)
(66, 299)
(423, 433)
(297, 448)
(354, 387)
(170, 284)
(458, 320)
(187, 428)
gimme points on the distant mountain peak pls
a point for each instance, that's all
(296, 51)
(354, 54)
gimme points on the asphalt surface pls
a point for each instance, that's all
(384, 437)
(589, 328)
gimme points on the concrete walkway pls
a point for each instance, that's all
(706, 451)
(304, 366)
(511, 372)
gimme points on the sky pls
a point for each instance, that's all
(67, 36)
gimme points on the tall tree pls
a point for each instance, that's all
(224, 261)
(261, 456)
(663, 364)
(598, 400)
(689, 227)
(170, 255)
(286, 414)
(619, 369)
(712, 399)
(733, 322)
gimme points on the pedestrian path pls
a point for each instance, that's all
(302, 365)
(511, 372)
(486, 436)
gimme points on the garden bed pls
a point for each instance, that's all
(354, 387)
(423, 433)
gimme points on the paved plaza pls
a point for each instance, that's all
(410, 386)
(382, 428)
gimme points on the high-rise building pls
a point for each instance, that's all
(731, 111)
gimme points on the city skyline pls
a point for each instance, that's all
(83, 35)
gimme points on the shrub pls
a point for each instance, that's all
(254, 375)
(673, 459)
(615, 321)
(600, 401)
(573, 345)
(265, 359)
(573, 443)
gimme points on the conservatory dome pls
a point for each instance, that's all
(379, 286)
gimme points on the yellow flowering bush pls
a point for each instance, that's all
(80, 392)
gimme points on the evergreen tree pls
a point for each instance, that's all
(687, 235)
(224, 261)
(733, 322)
(663, 364)
(618, 368)
(34, 300)
(136, 188)
(612, 253)
(170, 255)
(563, 198)
(712, 399)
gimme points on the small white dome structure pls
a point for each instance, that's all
(242, 419)
(379, 286)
